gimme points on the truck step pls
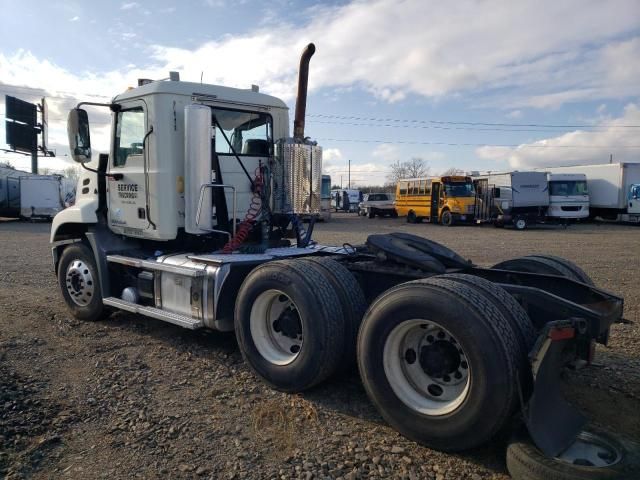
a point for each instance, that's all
(157, 266)
(175, 318)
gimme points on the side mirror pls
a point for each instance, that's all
(79, 138)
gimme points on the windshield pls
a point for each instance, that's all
(459, 189)
(568, 188)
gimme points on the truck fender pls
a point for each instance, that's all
(73, 221)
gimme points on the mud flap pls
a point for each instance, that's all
(552, 422)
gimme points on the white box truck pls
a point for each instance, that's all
(614, 189)
(40, 196)
(519, 198)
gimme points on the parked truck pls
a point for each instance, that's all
(28, 196)
(614, 189)
(518, 198)
(449, 352)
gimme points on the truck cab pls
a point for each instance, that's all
(568, 196)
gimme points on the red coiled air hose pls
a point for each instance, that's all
(243, 230)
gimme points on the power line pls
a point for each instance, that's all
(449, 144)
(446, 122)
(439, 127)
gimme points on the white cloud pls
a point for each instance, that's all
(74, 19)
(386, 152)
(129, 5)
(515, 114)
(579, 147)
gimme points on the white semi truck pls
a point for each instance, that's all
(448, 351)
(614, 189)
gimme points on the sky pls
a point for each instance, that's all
(477, 85)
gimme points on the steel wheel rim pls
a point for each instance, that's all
(79, 283)
(424, 390)
(274, 329)
(592, 451)
(520, 224)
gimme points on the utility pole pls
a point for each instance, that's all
(349, 175)
(611, 158)
(340, 182)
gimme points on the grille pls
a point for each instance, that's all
(571, 208)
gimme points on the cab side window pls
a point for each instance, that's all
(129, 135)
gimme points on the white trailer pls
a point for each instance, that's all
(40, 196)
(614, 189)
(520, 198)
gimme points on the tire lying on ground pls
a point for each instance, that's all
(352, 302)
(596, 455)
(80, 283)
(547, 264)
(290, 325)
(440, 362)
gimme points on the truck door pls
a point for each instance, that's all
(435, 202)
(127, 199)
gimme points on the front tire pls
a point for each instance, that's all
(446, 219)
(411, 217)
(289, 325)
(80, 284)
(439, 361)
(520, 223)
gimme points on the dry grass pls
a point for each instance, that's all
(277, 422)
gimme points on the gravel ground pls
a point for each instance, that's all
(134, 397)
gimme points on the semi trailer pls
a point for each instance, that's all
(193, 218)
(614, 189)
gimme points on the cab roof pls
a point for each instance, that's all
(209, 92)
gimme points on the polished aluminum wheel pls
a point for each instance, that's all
(276, 327)
(80, 283)
(426, 367)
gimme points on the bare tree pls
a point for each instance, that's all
(453, 171)
(398, 170)
(416, 167)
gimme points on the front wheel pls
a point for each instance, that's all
(80, 284)
(411, 217)
(520, 223)
(446, 219)
(439, 361)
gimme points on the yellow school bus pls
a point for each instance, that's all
(445, 200)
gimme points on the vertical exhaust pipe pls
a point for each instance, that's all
(301, 99)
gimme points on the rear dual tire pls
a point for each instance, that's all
(296, 321)
(414, 380)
